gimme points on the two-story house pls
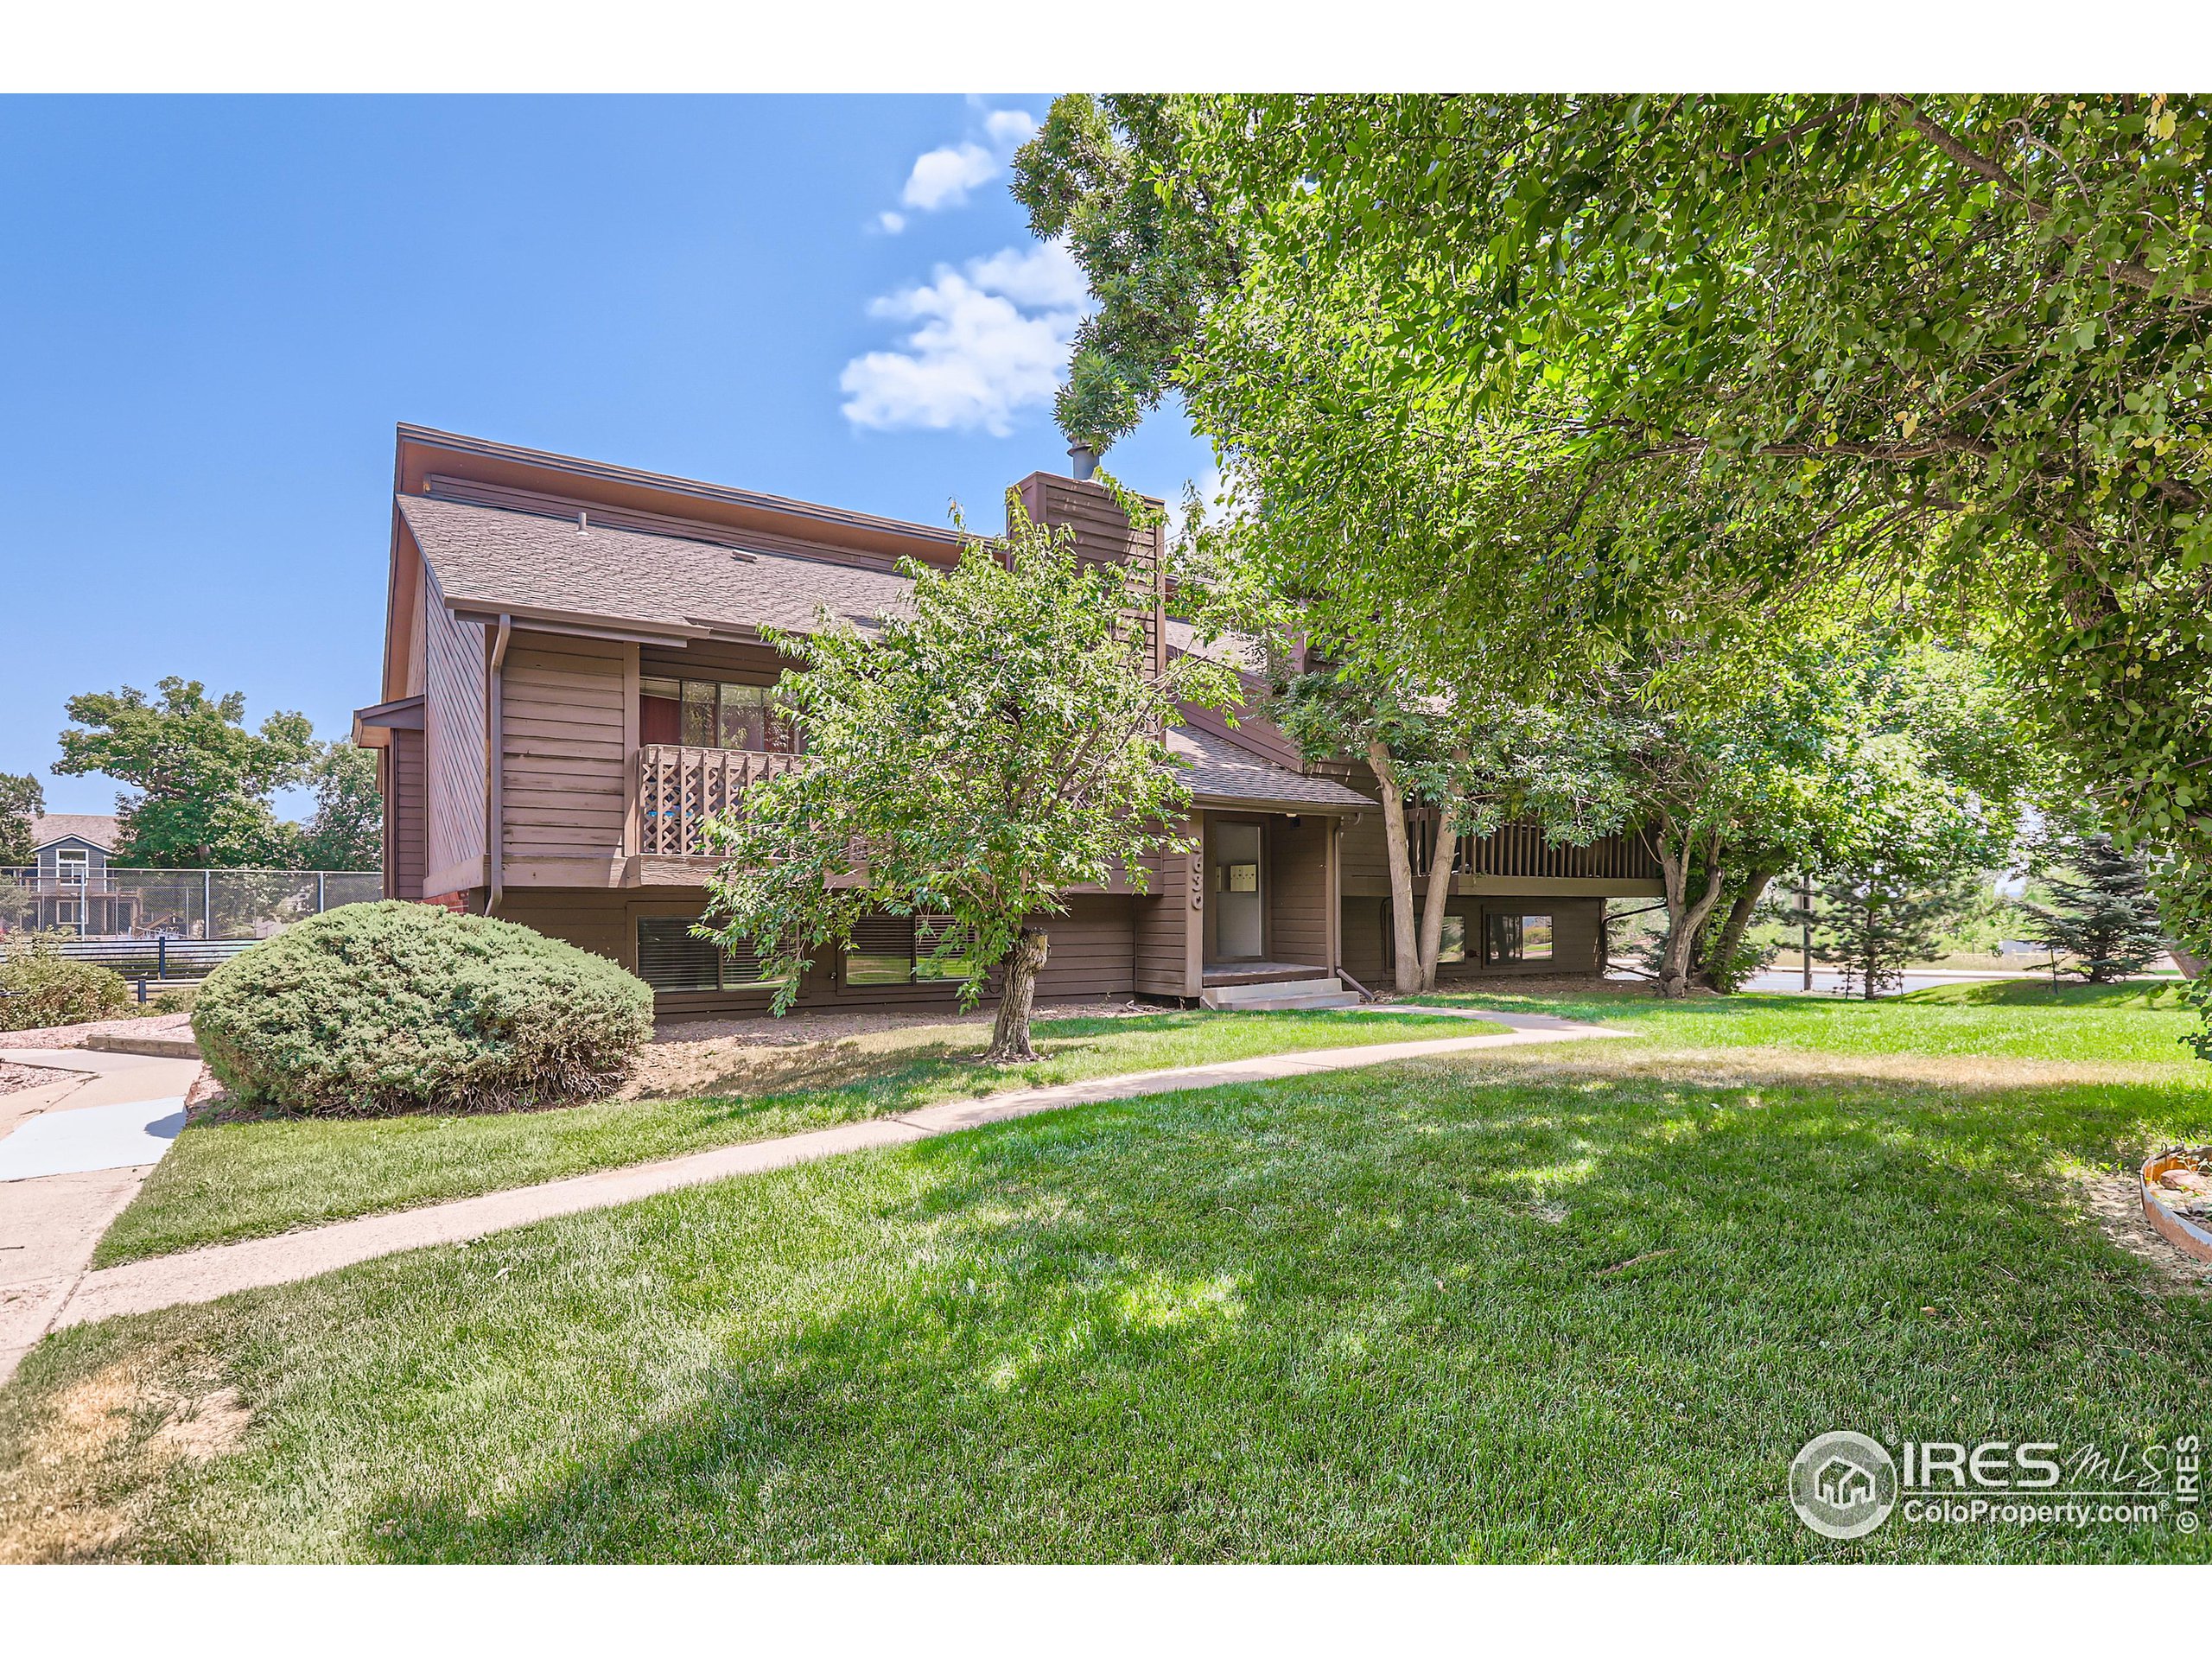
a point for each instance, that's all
(575, 677)
(67, 888)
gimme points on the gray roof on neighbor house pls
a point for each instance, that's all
(491, 559)
(1222, 773)
(101, 828)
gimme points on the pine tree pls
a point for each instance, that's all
(1872, 924)
(2101, 913)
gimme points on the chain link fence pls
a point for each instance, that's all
(207, 904)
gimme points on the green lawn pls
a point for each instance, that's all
(2017, 1020)
(229, 1181)
(1574, 1303)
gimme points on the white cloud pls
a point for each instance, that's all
(945, 176)
(990, 340)
(1042, 275)
(942, 178)
(1008, 129)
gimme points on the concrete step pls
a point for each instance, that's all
(1280, 993)
(174, 1047)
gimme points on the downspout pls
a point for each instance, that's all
(495, 703)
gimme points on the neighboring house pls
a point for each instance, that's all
(572, 658)
(67, 876)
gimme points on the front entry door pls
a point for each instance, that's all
(1237, 895)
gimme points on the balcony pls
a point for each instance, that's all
(679, 789)
(1520, 849)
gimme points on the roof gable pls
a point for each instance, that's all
(100, 829)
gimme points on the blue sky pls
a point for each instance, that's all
(217, 308)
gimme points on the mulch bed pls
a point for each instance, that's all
(149, 1025)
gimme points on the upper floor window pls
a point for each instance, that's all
(72, 863)
(712, 715)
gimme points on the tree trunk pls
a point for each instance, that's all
(1685, 916)
(2190, 963)
(1407, 968)
(1440, 869)
(1010, 1032)
(1722, 952)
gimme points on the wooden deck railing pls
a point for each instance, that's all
(1521, 849)
(679, 788)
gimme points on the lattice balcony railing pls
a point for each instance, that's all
(679, 788)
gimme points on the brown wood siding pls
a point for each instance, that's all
(1090, 952)
(598, 922)
(453, 731)
(1164, 929)
(1103, 535)
(1517, 849)
(408, 812)
(564, 744)
(1365, 930)
(714, 659)
(1366, 853)
(1090, 949)
(1297, 891)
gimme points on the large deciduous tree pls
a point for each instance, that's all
(1469, 760)
(346, 832)
(1709, 355)
(22, 798)
(201, 777)
(998, 744)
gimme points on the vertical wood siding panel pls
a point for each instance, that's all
(409, 841)
(453, 732)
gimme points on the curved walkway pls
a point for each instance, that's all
(73, 1153)
(202, 1275)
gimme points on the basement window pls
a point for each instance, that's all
(1520, 939)
(906, 950)
(670, 958)
(1453, 946)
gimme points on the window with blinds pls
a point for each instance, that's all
(906, 949)
(882, 951)
(671, 959)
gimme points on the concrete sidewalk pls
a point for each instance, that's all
(98, 1132)
(202, 1275)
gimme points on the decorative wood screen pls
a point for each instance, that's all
(679, 788)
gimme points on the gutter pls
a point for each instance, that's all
(494, 722)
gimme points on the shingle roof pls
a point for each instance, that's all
(489, 558)
(101, 828)
(1222, 773)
